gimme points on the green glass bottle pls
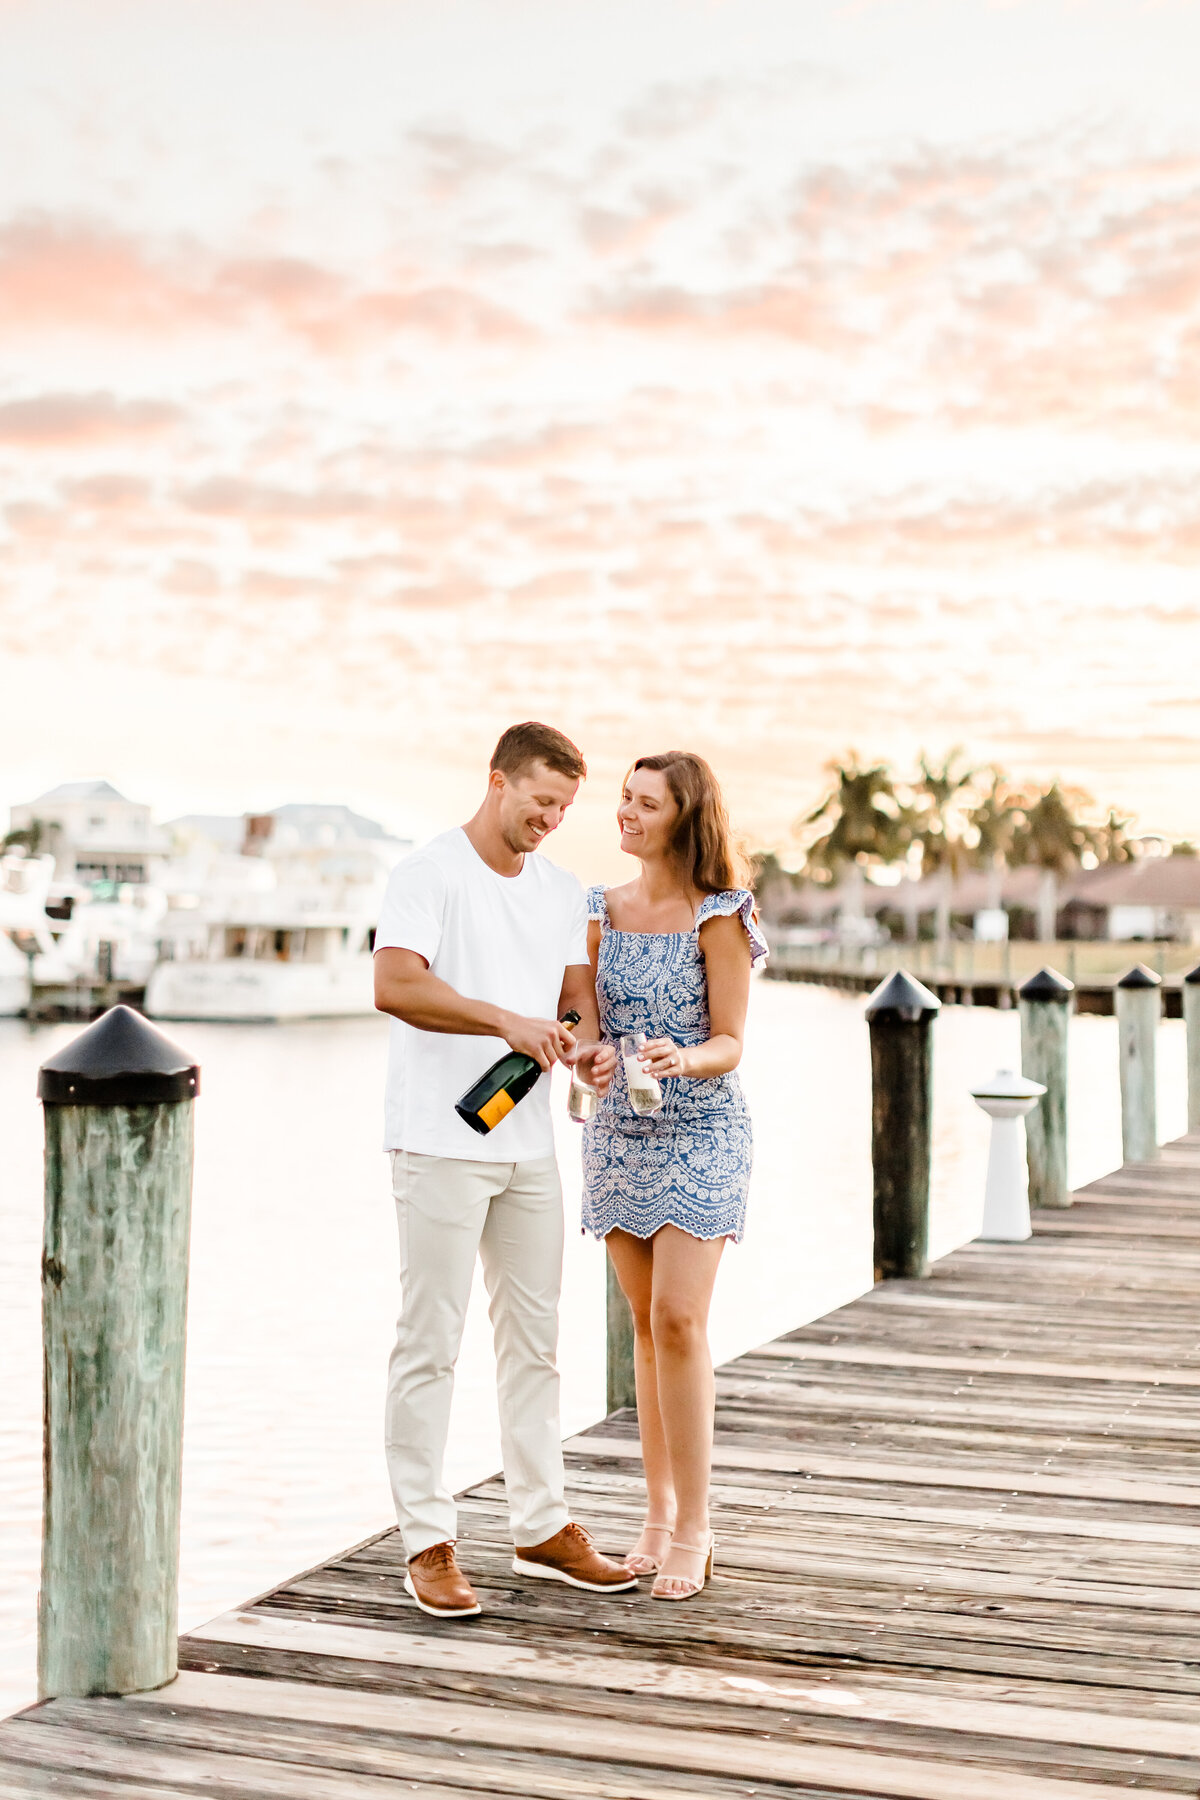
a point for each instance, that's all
(499, 1088)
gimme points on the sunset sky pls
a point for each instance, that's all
(763, 378)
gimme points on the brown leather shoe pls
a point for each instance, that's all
(570, 1556)
(438, 1585)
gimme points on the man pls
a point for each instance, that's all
(482, 944)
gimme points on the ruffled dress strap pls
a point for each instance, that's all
(597, 905)
(740, 901)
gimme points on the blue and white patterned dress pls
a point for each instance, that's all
(689, 1165)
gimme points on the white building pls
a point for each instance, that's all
(308, 846)
(95, 834)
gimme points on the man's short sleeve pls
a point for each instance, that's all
(577, 942)
(414, 908)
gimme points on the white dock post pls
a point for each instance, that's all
(1006, 1099)
(1191, 1013)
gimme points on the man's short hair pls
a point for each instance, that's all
(530, 743)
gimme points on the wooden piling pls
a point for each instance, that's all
(118, 1125)
(1138, 998)
(619, 1333)
(1191, 1013)
(1045, 1002)
(1004, 991)
(900, 1014)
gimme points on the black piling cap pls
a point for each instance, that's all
(1193, 976)
(121, 1060)
(1140, 977)
(902, 996)
(1047, 984)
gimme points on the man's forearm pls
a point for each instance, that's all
(431, 1004)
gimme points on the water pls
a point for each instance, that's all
(294, 1261)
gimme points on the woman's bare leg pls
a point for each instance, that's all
(633, 1260)
(684, 1271)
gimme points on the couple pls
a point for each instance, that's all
(482, 943)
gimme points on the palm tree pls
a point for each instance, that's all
(1111, 842)
(940, 826)
(994, 819)
(1051, 836)
(774, 886)
(26, 837)
(865, 824)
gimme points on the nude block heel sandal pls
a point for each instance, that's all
(639, 1564)
(689, 1589)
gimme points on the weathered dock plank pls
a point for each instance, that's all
(958, 1529)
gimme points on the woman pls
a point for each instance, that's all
(672, 953)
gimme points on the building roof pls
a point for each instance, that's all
(1172, 882)
(307, 817)
(81, 790)
(1168, 882)
(1163, 881)
(227, 829)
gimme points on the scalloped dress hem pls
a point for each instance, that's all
(705, 1237)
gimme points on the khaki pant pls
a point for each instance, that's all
(509, 1214)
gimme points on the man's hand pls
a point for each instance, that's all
(597, 1064)
(546, 1040)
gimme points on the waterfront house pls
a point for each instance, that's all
(94, 834)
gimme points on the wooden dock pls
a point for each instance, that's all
(958, 1558)
(1090, 996)
(84, 998)
(969, 974)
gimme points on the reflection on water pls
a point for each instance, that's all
(294, 1261)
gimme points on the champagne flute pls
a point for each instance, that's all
(583, 1100)
(645, 1095)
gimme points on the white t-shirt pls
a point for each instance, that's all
(505, 939)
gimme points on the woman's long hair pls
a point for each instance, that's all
(701, 841)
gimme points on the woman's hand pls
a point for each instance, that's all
(597, 1064)
(663, 1058)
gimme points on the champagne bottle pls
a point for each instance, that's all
(499, 1088)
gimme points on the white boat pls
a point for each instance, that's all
(272, 968)
(112, 934)
(14, 978)
(280, 929)
(25, 935)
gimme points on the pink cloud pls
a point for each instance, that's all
(241, 496)
(628, 232)
(65, 419)
(67, 271)
(79, 275)
(109, 491)
(771, 309)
